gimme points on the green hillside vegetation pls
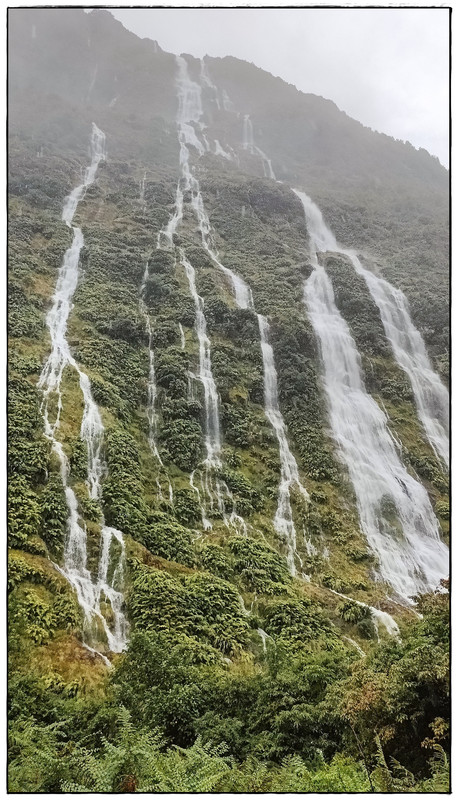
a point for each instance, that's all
(238, 677)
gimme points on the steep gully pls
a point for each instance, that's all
(92, 593)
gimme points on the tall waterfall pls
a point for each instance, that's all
(395, 513)
(249, 145)
(152, 388)
(283, 521)
(90, 593)
(431, 396)
(213, 489)
(190, 109)
(211, 399)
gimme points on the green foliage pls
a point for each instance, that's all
(357, 307)
(246, 497)
(181, 433)
(300, 397)
(260, 568)
(168, 539)
(202, 606)
(401, 690)
(123, 499)
(24, 318)
(215, 560)
(27, 451)
(238, 423)
(186, 506)
(207, 709)
(297, 622)
(182, 440)
(353, 612)
(54, 513)
(38, 614)
(78, 459)
(23, 512)
(35, 759)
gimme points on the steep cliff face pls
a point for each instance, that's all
(222, 416)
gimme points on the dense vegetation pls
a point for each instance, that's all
(237, 676)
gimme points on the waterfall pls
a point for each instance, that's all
(395, 512)
(207, 82)
(152, 388)
(89, 593)
(213, 490)
(211, 399)
(247, 134)
(431, 396)
(249, 145)
(191, 105)
(283, 521)
(182, 336)
(219, 151)
(142, 190)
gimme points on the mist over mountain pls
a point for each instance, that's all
(228, 428)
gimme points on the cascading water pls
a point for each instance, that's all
(152, 388)
(247, 134)
(431, 396)
(90, 594)
(395, 513)
(249, 145)
(207, 82)
(211, 399)
(283, 521)
(189, 112)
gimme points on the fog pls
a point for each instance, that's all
(387, 68)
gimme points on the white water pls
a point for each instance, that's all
(227, 102)
(247, 134)
(431, 396)
(182, 336)
(394, 509)
(207, 82)
(263, 636)
(92, 84)
(152, 388)
(219, 151)
(379, 617)
(211, 400)
(90, 594)
(355, 645)
(191, 105)
(289, 477)
(142, 189)
(249, 145)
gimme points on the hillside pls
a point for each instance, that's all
(227, 431)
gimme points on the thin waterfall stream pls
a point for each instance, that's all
(395, 512)
(214, 491)
(91, 593)
(190, 104)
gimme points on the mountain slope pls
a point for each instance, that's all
(186, 460)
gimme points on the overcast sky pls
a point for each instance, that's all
(386, 67)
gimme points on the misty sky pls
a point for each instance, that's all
(386, 67)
